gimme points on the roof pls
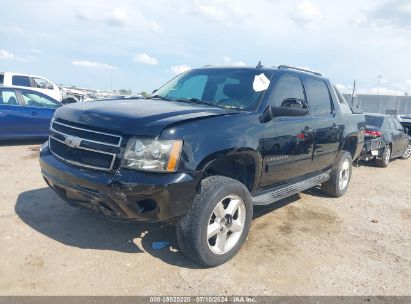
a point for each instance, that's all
(268, 69)
(23, 74)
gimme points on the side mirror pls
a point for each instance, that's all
(294, 103)
(154, 91)
(288, 111)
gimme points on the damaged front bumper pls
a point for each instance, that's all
(124, 194)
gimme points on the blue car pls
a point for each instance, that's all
(25, 114)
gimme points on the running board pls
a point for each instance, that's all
(279, 193)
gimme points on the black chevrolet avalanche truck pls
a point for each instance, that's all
(203, 149)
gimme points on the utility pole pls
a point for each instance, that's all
(379, 83)
(352, 96)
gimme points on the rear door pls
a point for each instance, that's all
(287, 144)
(12, 122)
(39, 109)
(325, 123)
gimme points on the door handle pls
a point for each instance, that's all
(34, 113)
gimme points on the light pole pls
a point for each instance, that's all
(379, 83)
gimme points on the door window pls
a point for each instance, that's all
(8, 97)
(318, 97)
(22, 81)
(288, 90)
(41, 83)
(38, 100)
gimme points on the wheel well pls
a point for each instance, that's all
(241, 168)
(350, 145)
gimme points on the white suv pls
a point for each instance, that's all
(35, 83)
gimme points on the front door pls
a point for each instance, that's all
(287, 144)
(40, 110)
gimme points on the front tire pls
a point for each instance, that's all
(385, 159)
(216, 226)
(407, 152)
(340, 176)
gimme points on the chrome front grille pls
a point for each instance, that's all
(84, 147)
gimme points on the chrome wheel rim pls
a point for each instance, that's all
(387, 155)
(226, 224)
(407, 152)
(344, 175)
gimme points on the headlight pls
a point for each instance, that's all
(152, 155)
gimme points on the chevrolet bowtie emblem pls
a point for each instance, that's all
(72, 141)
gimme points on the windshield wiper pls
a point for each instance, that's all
(158, 97)
(196, 100)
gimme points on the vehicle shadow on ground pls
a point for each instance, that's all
(316, 191)
(22, 142)
(260, 211)
(372, 163)
(45, 212)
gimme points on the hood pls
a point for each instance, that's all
(135, 117)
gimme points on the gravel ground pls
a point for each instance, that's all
(309, 244)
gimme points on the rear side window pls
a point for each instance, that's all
(8, 97)
(318, 97)
(341, 98)
(374, 121)
(398, 125)
(1, 79)
(288, 89)
(41, 83)
(391, 123)
(22, 81)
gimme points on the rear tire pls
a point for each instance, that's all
(407, 152)
(385, 159)
(216, 226)
(340, 176)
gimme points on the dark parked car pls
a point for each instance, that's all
(25, 113)
(405, 120)
(203, 149)
(385, 139)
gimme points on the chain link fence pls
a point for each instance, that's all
(384, 104)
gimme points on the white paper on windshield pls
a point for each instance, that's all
(261, 83)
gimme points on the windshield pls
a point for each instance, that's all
(226, 88)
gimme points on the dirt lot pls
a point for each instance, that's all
(306, 245)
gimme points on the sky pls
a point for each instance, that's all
(140, 45)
